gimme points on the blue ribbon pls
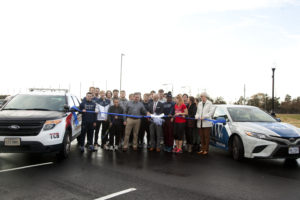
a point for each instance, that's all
(75, 118)
(139, 117)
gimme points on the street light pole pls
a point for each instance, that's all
(273, 103)
(80, 90)
(121, 71)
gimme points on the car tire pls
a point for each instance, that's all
(237, 149)
(66, 147)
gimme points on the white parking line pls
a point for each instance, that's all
(25, 167)
(116, 194)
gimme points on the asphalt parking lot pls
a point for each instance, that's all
(145, 175)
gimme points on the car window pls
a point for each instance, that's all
(220, 112)
(36, 102)
(249, 114)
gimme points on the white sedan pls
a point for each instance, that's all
(252, 133)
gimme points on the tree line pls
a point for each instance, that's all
(288, 106)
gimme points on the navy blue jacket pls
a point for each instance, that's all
(169, 108)
(86, 116)
(103, 102)
(95, 99)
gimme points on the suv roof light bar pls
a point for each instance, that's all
(49, 90)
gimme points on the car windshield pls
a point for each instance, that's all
(37, 102)
(249, 114)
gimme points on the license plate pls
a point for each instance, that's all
(12, 142)
(294, 150)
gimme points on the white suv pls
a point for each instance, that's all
(39, 121)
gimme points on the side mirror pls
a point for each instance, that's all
(66, 108)
(222, 119)
(278, 119)
(72, 110)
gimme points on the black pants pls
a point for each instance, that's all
(122, 134)
(87, 128)
(104, 136)
(145, 124)
(189, 134)
(115, 134)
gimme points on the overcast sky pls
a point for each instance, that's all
(215, 45)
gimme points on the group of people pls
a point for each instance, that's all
(169, 123)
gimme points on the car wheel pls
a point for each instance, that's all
(66, 148)
(237, 148)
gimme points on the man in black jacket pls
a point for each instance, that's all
(156, 108)
(88, 121)
(115, 123)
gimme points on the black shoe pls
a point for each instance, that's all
(81, 149)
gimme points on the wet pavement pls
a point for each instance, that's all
(153, 175)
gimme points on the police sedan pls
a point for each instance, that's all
(252, 133)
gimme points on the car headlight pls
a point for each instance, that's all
(256, 135)
(50, 124)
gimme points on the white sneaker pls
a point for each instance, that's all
(116, 148)
(106, 147)
(111, 148)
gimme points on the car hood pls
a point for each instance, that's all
(30, 115)
(270, 128)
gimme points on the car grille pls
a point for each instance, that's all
(283, 152)
(285, 140)
(26, 128)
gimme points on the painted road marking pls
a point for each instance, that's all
(116, 194)
(25, 167)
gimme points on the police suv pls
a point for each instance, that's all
(252, 133)
(39, 121)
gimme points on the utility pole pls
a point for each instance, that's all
(273, 84)
(121, 71)
(244, 94)
(80, 91)
(266, 101)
